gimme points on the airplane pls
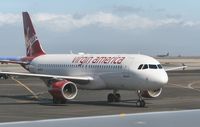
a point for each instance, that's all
(165, 55)
(64, 74)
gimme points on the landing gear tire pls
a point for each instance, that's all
(63, 101)
(111, 97)
(114, 97)
(117, 97)
(55, 101)
(140, 103)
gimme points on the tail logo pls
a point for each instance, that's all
(30, 41)
(33, 47)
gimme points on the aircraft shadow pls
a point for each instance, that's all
(123, 103)
(20, 100)
(28, 99)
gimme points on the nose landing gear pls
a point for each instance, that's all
(140, 102)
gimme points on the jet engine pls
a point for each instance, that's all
(151, 93)
(63, 90)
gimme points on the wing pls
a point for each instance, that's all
(175, 68)
(76, 79)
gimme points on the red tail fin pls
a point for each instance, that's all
(33, 47)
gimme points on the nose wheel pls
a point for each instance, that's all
(140, 102)
(114, 97)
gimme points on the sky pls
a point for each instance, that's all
(148, 27)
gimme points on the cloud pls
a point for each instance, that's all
(102, 19)
(126, 9)
(67, 22)
(174, 16)
(9, 18)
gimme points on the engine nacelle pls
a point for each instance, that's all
(151, 93)
(63, 90)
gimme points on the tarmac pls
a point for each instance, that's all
(18, 104)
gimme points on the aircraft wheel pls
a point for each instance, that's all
(140, 103)
(111, 97)
(117, 97)
(55, 101)
(59, 101)
(114, 97)
(63, 101)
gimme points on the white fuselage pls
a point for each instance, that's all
(110, 71)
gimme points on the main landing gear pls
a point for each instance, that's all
(140, 102)
(59, 101)
(114, 97)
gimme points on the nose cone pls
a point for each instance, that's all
(160, 78)
(163, 78)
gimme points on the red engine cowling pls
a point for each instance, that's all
(151, 93)
(63, 90)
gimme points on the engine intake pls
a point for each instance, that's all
(151, 93)
(63, 90)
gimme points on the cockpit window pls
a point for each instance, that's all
(140, 67)
(149, 66)
(145, 66)
(152, 66)
(159, 66)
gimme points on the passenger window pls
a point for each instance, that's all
(159, 66)
(145, 66)
(151, 66)
(140, 67)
